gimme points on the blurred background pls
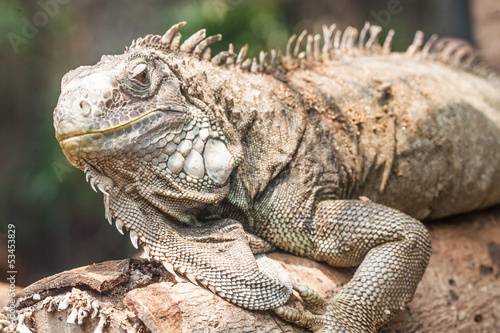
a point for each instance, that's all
(59, 220)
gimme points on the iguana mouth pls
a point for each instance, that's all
(90, 144)
(124, 125)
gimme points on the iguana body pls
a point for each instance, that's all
(196, 158)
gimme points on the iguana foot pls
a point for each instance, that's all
(321, 315)
(311, 317)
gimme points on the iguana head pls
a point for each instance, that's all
(141, 131)
(130, 115)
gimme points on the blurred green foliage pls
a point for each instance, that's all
(260, 23)
(8, 21)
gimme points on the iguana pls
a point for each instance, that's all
(209, 162)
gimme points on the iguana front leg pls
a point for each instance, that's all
(392, 250)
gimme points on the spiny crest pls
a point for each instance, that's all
(335, 43)
(452, 51)
(197, 44)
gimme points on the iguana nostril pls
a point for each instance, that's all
(86, 108)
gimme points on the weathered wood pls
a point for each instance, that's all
(460, 291)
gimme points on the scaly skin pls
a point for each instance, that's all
(208, 163)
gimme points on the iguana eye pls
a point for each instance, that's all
(143, 77)
(140, 74)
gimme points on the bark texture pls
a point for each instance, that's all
(460, 292)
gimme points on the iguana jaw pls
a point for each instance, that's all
(64, 135)
(87, 144)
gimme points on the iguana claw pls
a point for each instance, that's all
(301, 318)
